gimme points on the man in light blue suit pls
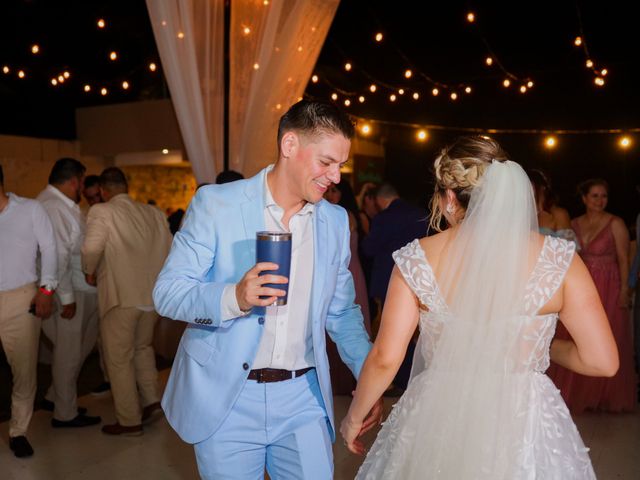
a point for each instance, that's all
(250, 384)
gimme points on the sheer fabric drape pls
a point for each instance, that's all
(273, 49)
(190, 39)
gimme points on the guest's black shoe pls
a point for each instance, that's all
(20, 446)
(49, 406)
(79, 421)
(103, 388)
(151, 412)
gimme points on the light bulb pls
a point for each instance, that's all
(334, 96)
(550, 142)
(373, 88)
(489, 61)
(87, 88)
(361, 98)
(435, 92)
(113, 56)
(35, 49)
(125, 85)
(421, 135)
(416, 95)
(506, 83)
(314, 79)
(578, 41)
(101, 23)
(471, 17)
(365, 129)
(153, 67)
(408, 73)
(392, 97)
(347, 67)
(379, 37)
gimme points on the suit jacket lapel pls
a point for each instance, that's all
(320, 258)
(252, 206)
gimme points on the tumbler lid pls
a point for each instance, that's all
(274, 236)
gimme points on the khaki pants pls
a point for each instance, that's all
(19, 334)
(73, 339)
(127, 335)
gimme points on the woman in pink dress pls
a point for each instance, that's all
(342, 380)
(604, 242)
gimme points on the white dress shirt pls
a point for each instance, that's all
(69, 229)
(287, 339)
(25, 228)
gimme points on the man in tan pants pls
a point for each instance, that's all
(25, 228)
(124, 249)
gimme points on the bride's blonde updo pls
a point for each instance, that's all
(459, 168)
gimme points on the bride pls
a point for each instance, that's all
(486, 293)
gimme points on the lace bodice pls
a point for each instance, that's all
(537, 330)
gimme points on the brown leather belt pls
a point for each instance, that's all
(268, 375)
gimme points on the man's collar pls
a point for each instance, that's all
(55, 191)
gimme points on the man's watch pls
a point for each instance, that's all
(47, 289)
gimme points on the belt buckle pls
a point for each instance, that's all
(259, 375)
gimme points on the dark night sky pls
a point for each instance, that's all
(534, 39)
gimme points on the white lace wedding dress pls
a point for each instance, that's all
(543, 440)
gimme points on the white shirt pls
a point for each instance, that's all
(287, 339)
(69, 229)
(25, 228)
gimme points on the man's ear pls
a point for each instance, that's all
(289, 144)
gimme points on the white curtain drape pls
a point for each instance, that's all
(273, 49)
(190, 39)
(270, 68)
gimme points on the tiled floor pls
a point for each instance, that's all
(87, 454)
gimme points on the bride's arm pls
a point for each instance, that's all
(399, 321)
(593, 349)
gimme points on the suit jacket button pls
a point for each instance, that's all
(261, 320)
(209, 322)
(245, 366)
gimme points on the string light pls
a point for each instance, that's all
(435, 92)
(529, 84)
(604, 72)
(165, 151)
(125, 85)
(347, 67)
(454, 96)
(488, 61)
(35, 49)
(578, 41)
(246, 30)
(21, 74)
(379, 37)
(467, 90)
(314, 79)
(401, 91)
(624, 142)
(180, 35)
(113, 56)
(506, 82)
(101, 23)
(103, 91)
(550, 142)
(365, 129)
(599, 81)
(66, 74)
(54, 82)
(408, 73)
(361, 98)
(523, 89)
(334, 96)
(471, 17)
(347, 102)
(153, 67)
(61, 78)
(373, 88)
(5, 69)
(589, 63)
(416, 95)
(392, 97)
(87, 88)
(256, 66)
(421, 135)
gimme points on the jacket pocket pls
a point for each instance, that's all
(199, 350)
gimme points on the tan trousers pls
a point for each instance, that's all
(72, 339)
(19, 334)
(127, 335)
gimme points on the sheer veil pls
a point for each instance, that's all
(475, 403)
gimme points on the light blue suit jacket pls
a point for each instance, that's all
(214, 248)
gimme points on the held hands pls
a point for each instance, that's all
(43, 305)
(250, 288)
(351, 430)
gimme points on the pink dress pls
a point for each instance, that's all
(618, 393)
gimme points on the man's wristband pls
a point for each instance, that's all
(46, 290)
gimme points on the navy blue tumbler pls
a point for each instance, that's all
(275, 247)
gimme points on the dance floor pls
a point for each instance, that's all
(87, 454)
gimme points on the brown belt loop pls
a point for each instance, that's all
(269, 375)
